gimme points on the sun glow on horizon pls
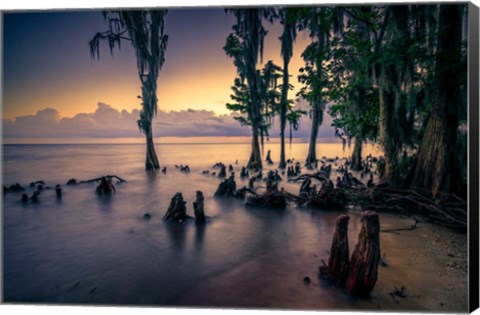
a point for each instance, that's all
(197, 74)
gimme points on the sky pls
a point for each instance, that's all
(52, 88)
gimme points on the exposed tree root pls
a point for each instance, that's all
(444, 209)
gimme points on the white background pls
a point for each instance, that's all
(72, 4)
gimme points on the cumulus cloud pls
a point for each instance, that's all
(108, 122)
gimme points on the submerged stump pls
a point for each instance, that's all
(338, 264)
(58, 191)
(198, 208)
(222, 172)
(244, 172)
(272, 198)
(177, 211)
(105, 187)
(227, 188)
(268, 159)
(365, 257)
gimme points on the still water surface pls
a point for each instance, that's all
(87, 249)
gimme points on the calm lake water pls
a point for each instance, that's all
(87, 249)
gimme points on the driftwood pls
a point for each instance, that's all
(272, 198)
(242, 192)
(39, 182)
(303, 177)
(177, 211)
(338, 264)
(198, 208)
(327, 197)
(396, 292)
(411, 228)
(105, 187)
(363, 271)
(444, 209)
(107, 177)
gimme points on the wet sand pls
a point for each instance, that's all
(431, 263)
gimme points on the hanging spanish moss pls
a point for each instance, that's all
(144, 29)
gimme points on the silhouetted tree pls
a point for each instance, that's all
(245, 45)
(289, 19)
(144, 29)
(320, 23)
(437, 166)
(269, 99)
(350, 67)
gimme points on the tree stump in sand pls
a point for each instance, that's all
(365, 257)
(338, 265)
(176, 210)
(198, 208)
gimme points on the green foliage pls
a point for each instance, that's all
(241, 102)
(245, 45)
(349, 68)
(269, 102)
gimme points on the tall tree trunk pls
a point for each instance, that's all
(357, 154)
(312, 148)
(255, 161)
(283, 113)
(282, 163)
(151, 161)
(384, 116)
(436, 167)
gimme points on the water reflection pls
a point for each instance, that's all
(200, 235)
(243, 250)
(177, 232)
(105, 202)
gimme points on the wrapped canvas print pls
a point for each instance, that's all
(298, 157)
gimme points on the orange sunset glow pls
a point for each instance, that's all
(196, 75)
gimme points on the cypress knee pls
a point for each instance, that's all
(338, 264)
(221, 189)
(198, 208)
(177, 210)
(365, 257)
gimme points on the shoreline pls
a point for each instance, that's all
(239, 252)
